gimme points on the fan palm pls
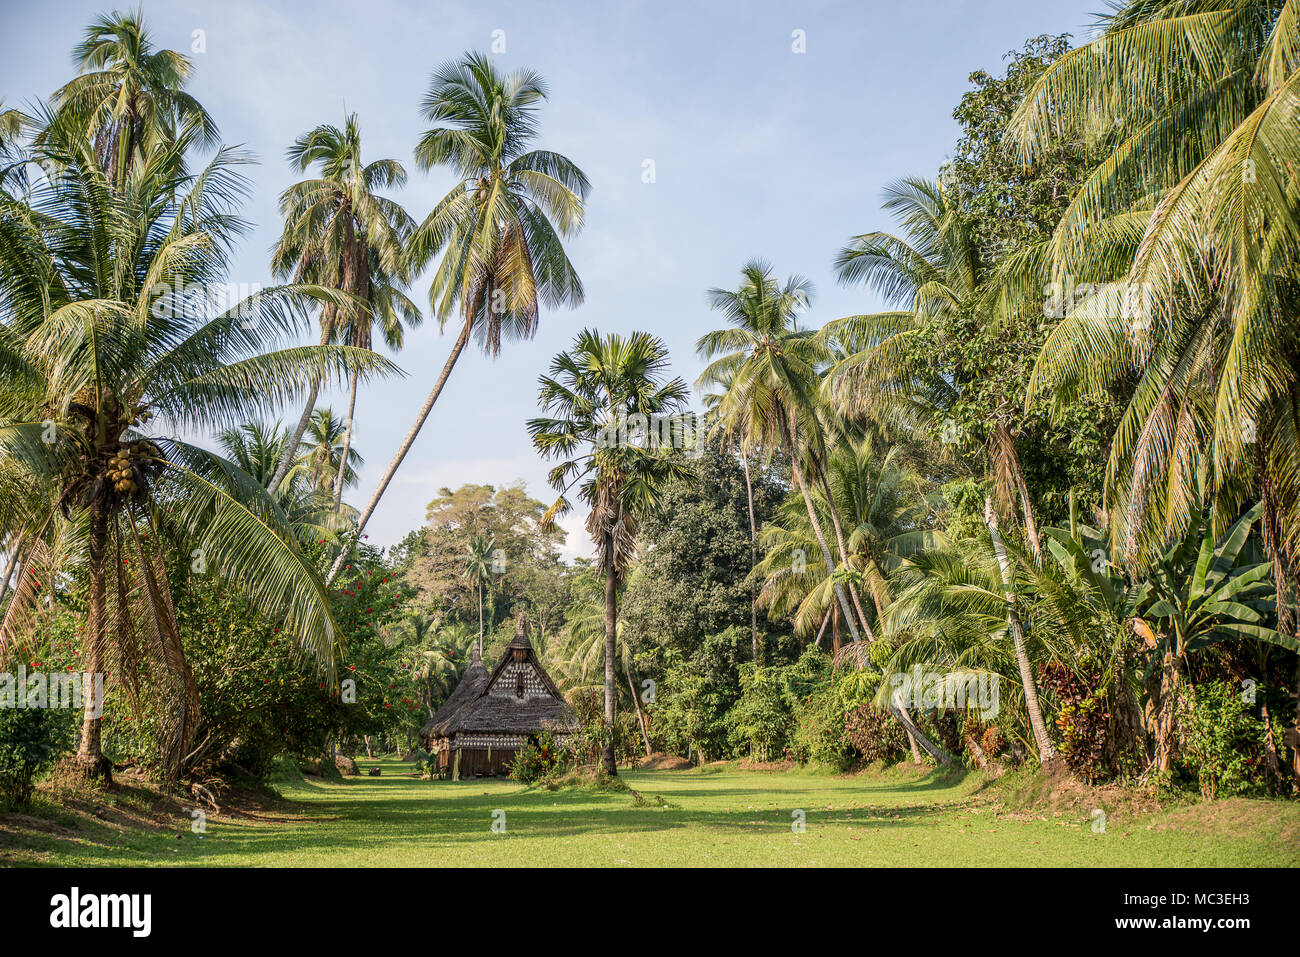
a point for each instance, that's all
(339, 231)
(95, 345)
(578, 649)
(597, 393)
(499, 229)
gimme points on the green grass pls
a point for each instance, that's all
(719, 816)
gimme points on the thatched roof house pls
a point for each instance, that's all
(491, 715)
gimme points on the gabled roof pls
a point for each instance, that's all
(471, 708)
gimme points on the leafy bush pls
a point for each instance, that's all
(540, 758)
(1221, 739)
(762, 720)
(31, 739)
(876, 734)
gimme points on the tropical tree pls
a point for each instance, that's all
(339, 231)
(579, 648)
(1203, 102)
(95, 345)
(499, 229)
(771, 366)
(604, 396)
(478, 566)
(255, 448)
(128, 98)
(325, 448)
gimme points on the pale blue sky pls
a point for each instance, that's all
(758, 151)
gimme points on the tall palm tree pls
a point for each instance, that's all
(499, 229)
(340, 232)
(772, 369)
(596, 394)
(476, 565)
(1206, 98)
(714, 424)
(390, 306)
(92, 354)
(128, 98)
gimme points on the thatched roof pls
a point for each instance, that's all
(473, 707)
(471, 683)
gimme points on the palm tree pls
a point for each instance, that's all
(255, 448)
(340, 232)
(602, 395)
(1206, 99)
(580, 647)
(888, 517)
(393, 309)
(499, 228)
(325, 447)
(128, 98)
(771, 367)
(711, 402)
(477, 565)
(92, 355)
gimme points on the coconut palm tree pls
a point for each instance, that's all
(128, 98)
(93, 355)
(1206, 101)
(324, 449)
(339, 231)
(715, 425)
(499, 229)
(602, 396)
(394, 311)
(772, 369)
(256, 448)
(477, 566)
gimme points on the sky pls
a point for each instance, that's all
(757, 151)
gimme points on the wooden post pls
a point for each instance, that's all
(455, 766)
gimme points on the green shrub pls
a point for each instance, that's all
(761, 721)
(1221, 740)
(31, 739)
(540, 758)
(875, 734)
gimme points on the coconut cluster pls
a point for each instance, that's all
(125, 467)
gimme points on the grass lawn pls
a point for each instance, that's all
(717, 816)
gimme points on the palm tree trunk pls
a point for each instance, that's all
(89, 759)
(611, 631)
(844, 556)
(1046, 752)
(826, 552)
(753, 555)
(640, 712)
(17, 542)
(347, 445)
(291, 448)
(423, 414)
(480, 619)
